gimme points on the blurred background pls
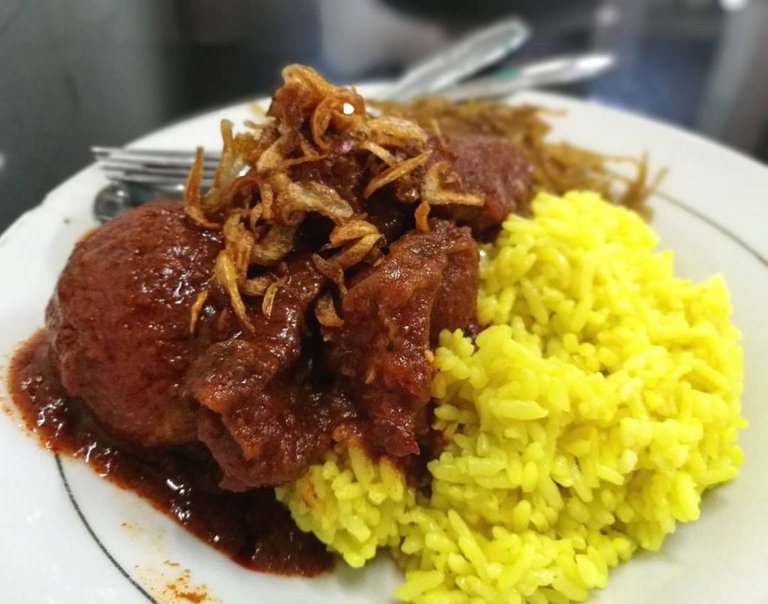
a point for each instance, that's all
(89, 72)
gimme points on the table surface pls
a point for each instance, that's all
(105, 72)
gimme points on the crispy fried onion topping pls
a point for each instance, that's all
(279, 172)
(331, 270)
(197, 307)
(317, 197)
(275, 244)
(393, 172)
(557, 167)
(439, 188)
(325, 311)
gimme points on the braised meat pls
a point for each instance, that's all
(264, 422)
(491, 167)
(228, 372)
(484, 165)
(392, 219)
(390, 312)
(342, 172)
(296, 301)
(456, 297)
(283, 428)
(118, 322)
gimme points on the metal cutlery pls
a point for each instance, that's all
(138, 175)
(165, 168)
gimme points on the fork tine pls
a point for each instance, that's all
(147, 160)
(151, 179)
(177, 170)
(152, 153)
(140, 162)
(164, 168)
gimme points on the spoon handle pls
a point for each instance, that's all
(560, 70)
(467, 56)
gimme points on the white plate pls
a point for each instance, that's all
(67, 536)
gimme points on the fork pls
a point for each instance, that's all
(139, 175)
(156, 167)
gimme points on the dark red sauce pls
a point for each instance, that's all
(252, 528)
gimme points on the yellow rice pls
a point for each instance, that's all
(585, 421)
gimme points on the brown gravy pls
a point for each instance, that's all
(252, 528)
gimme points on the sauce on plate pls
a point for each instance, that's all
(252, 528)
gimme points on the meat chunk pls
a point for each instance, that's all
(118, 322)
(260, 425)
(382, 348)
(390, 217)
(341, 172)
(265, 421)
(273, 438)
(228, 372)
(270, 401)
(490, 166)
(456, 299)
(485, 165)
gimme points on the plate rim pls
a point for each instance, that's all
(89, 172)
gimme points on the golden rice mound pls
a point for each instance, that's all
(350, 502)
(584, 422)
